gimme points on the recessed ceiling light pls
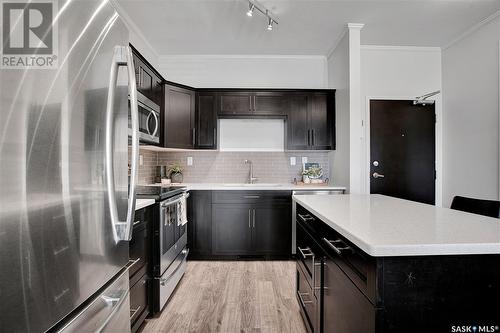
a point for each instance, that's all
(250, 11)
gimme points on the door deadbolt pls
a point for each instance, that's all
(375, 163)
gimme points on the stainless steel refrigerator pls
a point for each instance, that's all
(66, 207)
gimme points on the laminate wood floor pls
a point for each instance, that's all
(232, 296)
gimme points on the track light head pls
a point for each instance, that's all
(251, 9)
(270, 24)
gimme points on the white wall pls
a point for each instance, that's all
(338, 78)
(233, 71)
(400, 73)
(471, 114)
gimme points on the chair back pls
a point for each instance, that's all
(476, 206)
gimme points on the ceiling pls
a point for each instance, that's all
(306, 27)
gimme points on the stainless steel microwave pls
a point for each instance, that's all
(149, 120)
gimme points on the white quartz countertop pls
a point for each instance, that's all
(142, 203)
(385, 226)
(256, 186)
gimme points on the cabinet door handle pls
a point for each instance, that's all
(337, 250)
(251, 196)
(253, 217)
(194, 136)
(308, 137)
(302, 300)
(305, 255)
(254, 103)
(215, 137)
(306, 217)
(134, 311)
(312, 137)
(250, 99)
(249, 218)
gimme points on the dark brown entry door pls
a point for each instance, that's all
(402, 150)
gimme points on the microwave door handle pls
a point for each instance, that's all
(152, 113)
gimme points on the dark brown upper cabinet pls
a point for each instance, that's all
(179, 119)
(206, 121)
(311, 122)
(240, 103)
(149, 82)
(270, 103)
(234, 103)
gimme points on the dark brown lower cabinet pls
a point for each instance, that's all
(139, 302)
(139, 267)
(346, 309)
(239, 223)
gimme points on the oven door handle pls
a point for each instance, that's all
(163, 281)
(173, 201)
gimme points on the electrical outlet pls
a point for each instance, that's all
(293, 160)
(189, 160)
(141, 160)
(304, 159)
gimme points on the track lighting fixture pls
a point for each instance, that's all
(270, 24)
(250, 11)
(254, 5)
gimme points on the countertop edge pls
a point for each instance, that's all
(406, 250)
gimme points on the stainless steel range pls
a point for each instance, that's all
(169, 240)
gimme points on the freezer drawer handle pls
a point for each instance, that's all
(110, 301)
(337, 250)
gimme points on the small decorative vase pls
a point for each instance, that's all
(306, 180)
(176, 177)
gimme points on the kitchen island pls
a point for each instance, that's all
(372, 263)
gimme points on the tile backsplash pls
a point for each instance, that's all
(228, 167)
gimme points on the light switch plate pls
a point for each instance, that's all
(189, 160)
(293, 160)
(141, 160)
(304, 159)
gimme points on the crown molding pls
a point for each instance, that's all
(357, 26)
(349, 26)
(164, 57)
(132, 26)
(401, 48)
(472, 29)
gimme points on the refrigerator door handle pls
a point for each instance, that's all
(122, 231)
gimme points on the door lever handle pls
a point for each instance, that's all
(377, 175)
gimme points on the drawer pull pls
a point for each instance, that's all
(304, 254)
(134, 311)
(251, 196)
(302, 299)
(306, 218)
(337, 250)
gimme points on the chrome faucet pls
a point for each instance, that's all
(251, 178)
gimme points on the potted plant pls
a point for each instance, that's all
(305, 177)
(175, 172)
